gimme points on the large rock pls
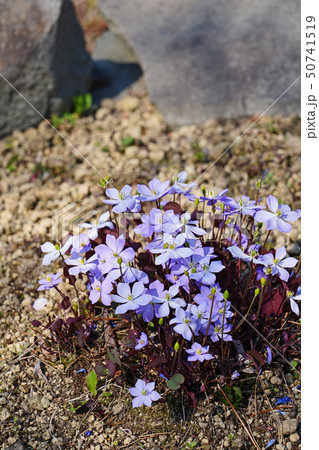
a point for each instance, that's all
(211, 58)
(42, 54)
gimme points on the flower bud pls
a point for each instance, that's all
(203, 190)
(102, 183)
(226, 295)
(120, 260)
(57, 246)
(176, 346)
(263, 282)
(258, 184)
(161, 321)
(196, 202)
(257, 292)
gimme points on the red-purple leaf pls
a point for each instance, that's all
(111, 367)
(259, 357)
(158, 360)
(173, 206)
(273, 304)
(191, 399)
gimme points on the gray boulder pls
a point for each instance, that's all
(42, 54)
(209, 58)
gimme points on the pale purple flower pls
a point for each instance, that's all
(80, 244)
(212, 199)
(130, 273)
(189, 227)
(179, 186)
(101, 222)
(49, 281)
(238, 253)
(155, 190)
(130, 299)
(169, 300)
(293, 304)
(109, 253)
(158, 221)
(279, 263)
(144, 394)
(207, 295)
(172, 249)
(54, 251)
(80, 264)
(269, 355)
(201, 314)
(206, 271)
(142, 341)
(122, 200)
(100, 290)
(179, 280)
(198, 353)
(155, 291)
(243, 205)
(279, 216)
(186, 324)
(221, 333)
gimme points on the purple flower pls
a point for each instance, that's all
(205, 273)
(172, 249)
(100, 290)
(186, 324)
(198, 353)
(209, 294)
(144, 394)
(278, 217)
(238, 253)
(269, 355)
(200, 314)
(158, 221)
(109, 253)
(155, 190)
(155, 291)
(278, 263)
(130, 299)
(189, 227)
(142, 341)
(293, 304)
(179, 186)
(130, 273)
(102, 222)
(219, 333)
(54, 251)
(50, 281)
(122, 200)
(169, 300)
(81, 265)
(243, 205)
(212, 199)
(81, 244)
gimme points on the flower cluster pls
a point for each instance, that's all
(176, 277)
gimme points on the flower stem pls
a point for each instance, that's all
(259, 304)
(209, 320)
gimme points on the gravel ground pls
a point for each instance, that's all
(40, 175)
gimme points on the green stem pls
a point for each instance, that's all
(259, 304)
